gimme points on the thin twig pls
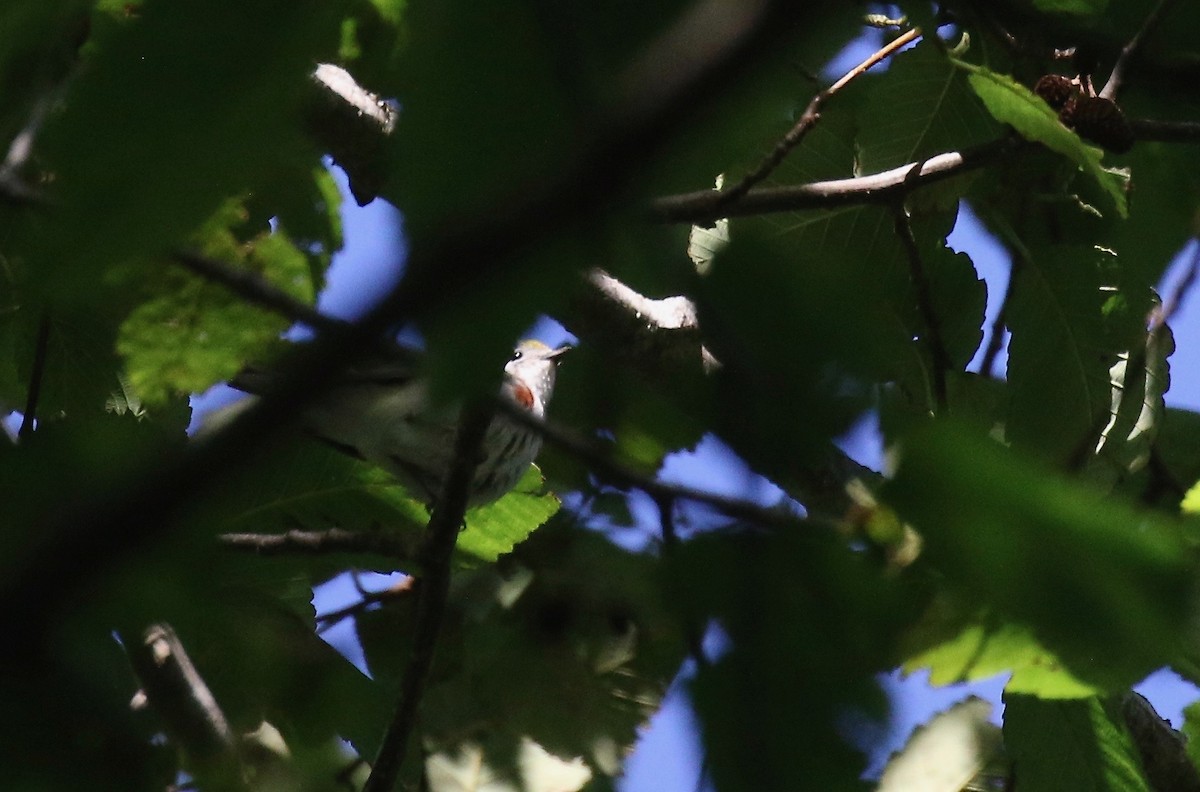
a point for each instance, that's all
(601, 463)
(433, 590)
(334, 540)
(326, 621)
(1162, 314)
(40, 348)
(1109, 91)
(809, 118)
(920, 281)
(257, 290)
(704, 207)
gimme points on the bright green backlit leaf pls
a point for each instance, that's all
(1014, 104)
(193, 333)
(1083, 571)
(496, 528)
(983, 647)
(1060, 351)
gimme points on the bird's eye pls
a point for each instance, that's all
(517, 354)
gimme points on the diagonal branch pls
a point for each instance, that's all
(433, 591)
(256, 290)
(1109, 91)
(809, 118)
(602, 464)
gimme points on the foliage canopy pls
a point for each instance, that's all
(1033, 524)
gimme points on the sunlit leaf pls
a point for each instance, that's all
(1006, 531)
(1014, 104)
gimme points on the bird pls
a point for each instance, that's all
(381, 412)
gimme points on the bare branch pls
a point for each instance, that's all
(1165, 131)
(1162, 314)
(601, 463)
(401, 590)
(1109, 91)
(352, 124)
(705, 207)
(257, 290)
(342, 84)
(188, 710)
(810, 117)
(334, 540)
(433, 591)
(649, 331)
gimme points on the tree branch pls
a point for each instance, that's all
(705, 207)
(401, 590)
(334, 540)
(433, 590)
(601, 464)
(1115, 77)
(809, 118)
(352, 124)
(189, 713)
(1165, 131)
(255, 289)
(654, 335)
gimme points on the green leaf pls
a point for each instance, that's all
(569, 643)
(1191, 731)
(809, 623)
(1007, 532)
(922, 107)
(1059, 353)
(189, 105)
(957, 649)
(1138, 407)
(1064, 746)
(192, 333)
(1191, 501)
(498, 527)
(1014, 104)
